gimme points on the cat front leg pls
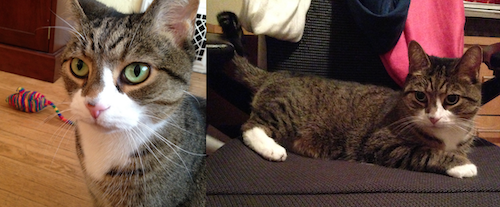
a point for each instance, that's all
(450, 163)
(454, 164)
(433, 160)
(257, 139)
(384, 148)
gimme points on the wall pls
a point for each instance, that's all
(124, 6)
(216, 6)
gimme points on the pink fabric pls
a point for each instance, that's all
(438, 26)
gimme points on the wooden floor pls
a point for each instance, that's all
(38, 163)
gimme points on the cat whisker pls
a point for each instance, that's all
(68, 127)
(466, 125)
(131, 139)
(170, 123)
(177, 126)
(404, 129)
(133, 36)
(152, 151)
(59, 27)
(193, 96)
(153, 117)
(171, 146)
(462, 128)
(404, 124)
(71, 26)
(54, 115)
(61, 127)
(74, 32)
(116, 185)
(170, 143)
(165, 139)
(64, 103)
(484, 126)
(401, 121)
(49, 143)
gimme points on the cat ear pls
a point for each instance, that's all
(78, 14)
(468, 67)
(418, 59)
(174, 16)
(85, 11)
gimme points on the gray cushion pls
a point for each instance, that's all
(237, 175)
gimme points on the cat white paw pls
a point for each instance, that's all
(264, 145)
(463, 171)
(274, 153)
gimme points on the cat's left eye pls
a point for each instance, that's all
(452, 99)
(136, 73)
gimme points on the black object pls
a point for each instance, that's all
(491, 57)
(332, 46)
(237, 176)
(232, 30)
(381, 21)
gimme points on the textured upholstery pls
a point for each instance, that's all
(237, 176)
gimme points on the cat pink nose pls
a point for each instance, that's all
(96, 109)
(434, 120)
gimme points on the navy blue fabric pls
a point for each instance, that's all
(382, 21)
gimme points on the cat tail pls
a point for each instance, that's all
(248, 74)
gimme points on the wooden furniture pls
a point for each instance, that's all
(488, 118)
(31, 41)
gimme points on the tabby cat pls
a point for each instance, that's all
(140, 136)
(426, 126)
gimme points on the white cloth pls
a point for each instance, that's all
(281, 19)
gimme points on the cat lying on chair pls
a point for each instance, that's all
(427, 126)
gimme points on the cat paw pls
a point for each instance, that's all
(264, 145)
(463, 171)
(274, 153)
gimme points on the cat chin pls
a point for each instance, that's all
(112, 123)
(109, 127)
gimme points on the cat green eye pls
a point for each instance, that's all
(421, 97)
(452, 99)
(79, 68)
(136, 73)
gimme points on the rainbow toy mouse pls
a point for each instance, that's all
(32, 101)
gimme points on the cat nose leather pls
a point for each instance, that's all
(434, 120)
(96, 109)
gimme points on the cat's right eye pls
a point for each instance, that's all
(421, 97)
(79, 68)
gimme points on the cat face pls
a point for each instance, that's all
(441, 93)
(121, 70)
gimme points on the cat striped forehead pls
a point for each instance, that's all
(113, 39)
(442, 77)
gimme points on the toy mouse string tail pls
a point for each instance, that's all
(59, 113)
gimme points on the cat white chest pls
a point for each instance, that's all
(451, 137)
(104, 150)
